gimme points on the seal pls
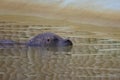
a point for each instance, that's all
(50, 40)
(44, 40)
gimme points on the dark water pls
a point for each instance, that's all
(92, 59)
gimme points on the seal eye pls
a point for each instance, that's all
(48, 40)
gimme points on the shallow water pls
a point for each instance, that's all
(91, 57)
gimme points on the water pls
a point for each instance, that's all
(90, 58)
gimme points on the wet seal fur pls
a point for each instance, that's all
(49, 40)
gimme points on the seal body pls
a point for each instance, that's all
(6, 43)
(49, 39)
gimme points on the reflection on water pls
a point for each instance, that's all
(88, 59)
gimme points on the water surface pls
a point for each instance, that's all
(90, 58)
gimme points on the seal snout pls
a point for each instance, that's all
(67, 42)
